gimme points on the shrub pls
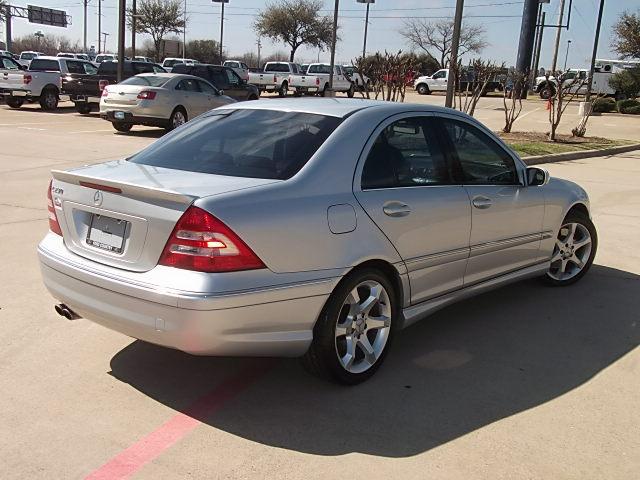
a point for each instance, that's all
(604, 105)
(625, 105)
(626, 82)
(633, 110)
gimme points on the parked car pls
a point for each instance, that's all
(85, 90)
(7, 53)
(223, 78)
(169, 63)
(239, 67)
(274, 77)
(42, 82)
(316, 80)
(201, 241)
(27, 56)
(105, 57)
(11, 78)
(359, 80)
(576, 80)
(143, 59)
(159, 100)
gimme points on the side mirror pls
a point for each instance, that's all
(22, 67)
(220, 92)
(537, 177)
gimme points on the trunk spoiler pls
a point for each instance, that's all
(128, 189)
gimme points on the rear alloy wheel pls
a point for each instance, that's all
(574, 250)
(423, 89)
(547, 92)
(49, 100)
(122, 127)
(178, 118)
(14, 102)
(353, 333)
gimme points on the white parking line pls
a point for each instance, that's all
(528, 113)
(31, 123)
(32, 128)
(609, 125)
(92, 131)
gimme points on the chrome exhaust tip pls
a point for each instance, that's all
(64, 311)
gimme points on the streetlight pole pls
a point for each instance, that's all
(84, 27)
(557, 44)
(333, 44)
(99, 25)
(105, 35)
(134, 20)
(184, 31)
(366, 25)
(595, 52)
(566, 55)
(122, 15)
(453, 62)
(221, 24)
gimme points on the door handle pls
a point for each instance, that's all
(396, 209)
(481, 203)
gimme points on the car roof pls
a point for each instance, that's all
(334, 107)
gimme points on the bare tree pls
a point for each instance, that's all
(159, 18)
(387, 74)
(567, 86)
(472, 82)
(513, 85)
(435, 38)
(296, 23)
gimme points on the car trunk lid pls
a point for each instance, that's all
(121, 213)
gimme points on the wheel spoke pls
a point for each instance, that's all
(367, 349)
(572, 232)
(574, 259)
(369, 303)
(582, 243)
(350, 356)
(378, 322)
(563, 265)
(556, 257)
(559, 244)
(342, 327)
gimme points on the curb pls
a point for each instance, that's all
(562, 157)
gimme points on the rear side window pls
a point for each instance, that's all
(42, 65)
(146, 80)
(405, 154)
(107, 68)
(242, 143)
(481, 160)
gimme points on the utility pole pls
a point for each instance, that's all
(184, 31)
(333, 44)
(7, 14)
(566, 55)
(105, 35)
(99, 25)
(122, 16)
(84, 27)
(525, 44)
(536, 62)
(558, 35)
(221, 24)
(595, 52)
(535, 41)
(259, 43)
(453, 61)
(366, 25)
(134, 20)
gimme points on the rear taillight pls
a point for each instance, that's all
(26, 79)
(105, 92)
(54, 226)
(275, 78)
(317, 80)
(201, 242)
(146, 95)
(102, 84)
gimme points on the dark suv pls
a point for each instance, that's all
(223, 78)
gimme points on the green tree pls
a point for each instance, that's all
(296, 23)
(158, 18)
(205, 51)
(626, 82)
(626, 35)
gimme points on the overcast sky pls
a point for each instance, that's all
(501, 19)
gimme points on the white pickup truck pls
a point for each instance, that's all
(275, 77)
(239, 67)
(11, 77)
(316, 80)
(42, 82)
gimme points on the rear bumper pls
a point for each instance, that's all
(134, 119)
(305, 89)
(85, 99)
(267, 321)
(7, 92)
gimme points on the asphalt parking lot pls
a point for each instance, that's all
(523, 382)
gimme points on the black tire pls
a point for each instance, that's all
(14, 102)
(423, 89)
(284, 89)
(575, 217)
(122, 127)
(323, 93)
(322, 358)
(253, 97)
(49, 99)
(173, 119)
(547, 91)
(351, 91)
(83, 108)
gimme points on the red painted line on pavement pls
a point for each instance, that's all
(151, 446)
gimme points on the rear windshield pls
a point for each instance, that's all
(319, 69)
(146, 81)
(232, 64)
(242, 143)
(41, 65)
(276, 67)
(171, 63)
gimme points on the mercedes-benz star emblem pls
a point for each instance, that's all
(97, 198)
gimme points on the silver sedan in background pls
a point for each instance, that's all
(159, 100)
(307, 227)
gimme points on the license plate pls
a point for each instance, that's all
(118, 115)
(106, 233)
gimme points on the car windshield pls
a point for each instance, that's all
(319, 69)
(242, 143)
(171, 63)
(146, 80)
(27, 56)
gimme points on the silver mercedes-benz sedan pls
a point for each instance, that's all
(158, 100)
(306, 227)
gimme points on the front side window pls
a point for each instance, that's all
(440, 74)
(75, 67)
(232, 77)
(481, 160)
(405, 154)
(242, 143)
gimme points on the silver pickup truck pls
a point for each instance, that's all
(275, 77)
(316, 80)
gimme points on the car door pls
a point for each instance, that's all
(190, 97)
(404, 183)
(210, 95)
(507, 216)
(439, 81)
(218, 78)
(236, 88)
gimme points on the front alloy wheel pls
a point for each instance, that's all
(355, 328)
